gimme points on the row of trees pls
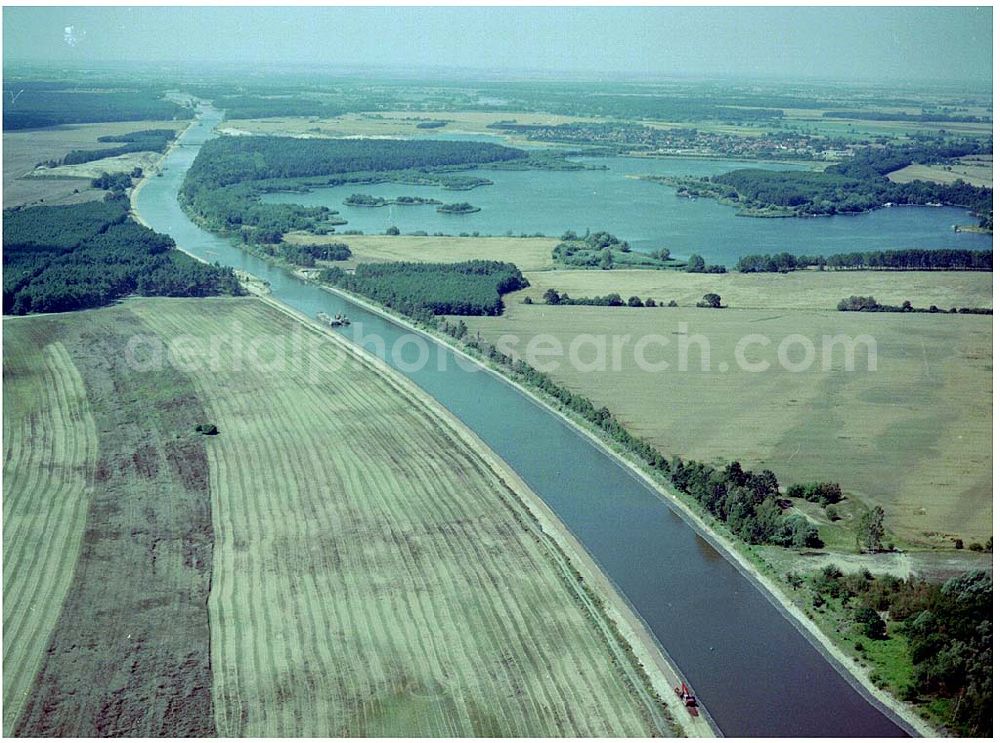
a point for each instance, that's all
(85, 267)
(914, 259)
(551, 296)
(747, 502)
(870, 304)
(145, 140)
(902, 116)
(469, 288)
(696, 264)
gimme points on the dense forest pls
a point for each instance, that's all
(948, 630)
(146, 140)
(306, 254)
(944, 259)
(61, 258)
(261, 107)
(224, 184)
(857, 185)
(30, 105)
(469, 288)
(227, 160)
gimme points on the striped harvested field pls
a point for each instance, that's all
(372, 570)
(50, 450)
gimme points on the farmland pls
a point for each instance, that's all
(50, 453)
(975, 169)
(528, 253)
(368, 567)
(23, 150)
(913, 436)
(387, 124)
(805, 290)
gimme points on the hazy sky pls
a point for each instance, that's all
(831, 43)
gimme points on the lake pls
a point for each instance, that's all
(646, 214)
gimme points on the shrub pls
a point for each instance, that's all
(711, 300)
(871, 623)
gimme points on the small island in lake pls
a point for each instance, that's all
(361, 199)
(462, 208)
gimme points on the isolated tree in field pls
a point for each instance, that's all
(551, 296)
(696, 264)
(634, 301)
(871, 530)
(650, 302)
(711, 300)
(392, 230)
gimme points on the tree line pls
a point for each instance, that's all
(145, 140)
(902, 116)
(914, 259)
(746, 502)
(870, 304)
(553, 297)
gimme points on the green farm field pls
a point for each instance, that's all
(368, 567)
(914, 435)
(976, 170)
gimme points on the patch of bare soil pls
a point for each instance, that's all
(130, 653)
